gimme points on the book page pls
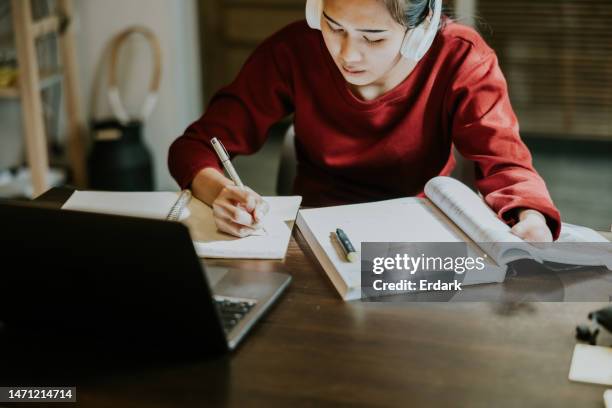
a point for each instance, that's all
(480, 223)
(578, 245)
(578, 233)
(466, 209)
(399, 220)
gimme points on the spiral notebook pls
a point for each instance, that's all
(198, 217)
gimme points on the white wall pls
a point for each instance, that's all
(465, 11)
(180, 100)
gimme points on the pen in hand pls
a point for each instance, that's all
(225, 160)
(238, 210)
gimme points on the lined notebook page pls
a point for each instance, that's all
(136, 204)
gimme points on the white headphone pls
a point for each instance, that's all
(416, 42)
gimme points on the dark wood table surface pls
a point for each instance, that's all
(313, 349)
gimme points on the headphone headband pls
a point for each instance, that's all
(415, 44)
(113, 92)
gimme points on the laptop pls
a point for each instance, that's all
(126, 281)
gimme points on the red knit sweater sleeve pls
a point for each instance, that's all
(485, 130)
(239, 114)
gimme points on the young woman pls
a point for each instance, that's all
(380, 91)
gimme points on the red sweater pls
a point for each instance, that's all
(350, 150)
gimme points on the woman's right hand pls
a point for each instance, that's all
(238, 211)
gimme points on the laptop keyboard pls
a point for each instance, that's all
(232, 310)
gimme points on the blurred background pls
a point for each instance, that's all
(556, 55)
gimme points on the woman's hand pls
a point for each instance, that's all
(532, 227)
(238, 211)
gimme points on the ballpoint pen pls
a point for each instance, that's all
(225, 160)
(347, 247)
(229, 167)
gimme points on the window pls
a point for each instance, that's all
(557, 58)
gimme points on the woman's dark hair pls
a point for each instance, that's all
(409, 13)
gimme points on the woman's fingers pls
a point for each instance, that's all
(237, 211)
(261, 209)
(249, 200)
(243, 196)
(232, 213)
(532, 231)
(225, 214)
(232, 228)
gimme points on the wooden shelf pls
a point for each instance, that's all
(45, 26)
(51, 78)
(47, 79)
(32, 80)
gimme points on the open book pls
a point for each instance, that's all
(270, 243)
(450, 213)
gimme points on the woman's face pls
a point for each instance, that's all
(362, 38)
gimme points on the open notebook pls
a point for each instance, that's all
(270, 244)
(450, 213)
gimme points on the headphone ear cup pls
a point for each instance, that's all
(314, 10)
(412, 43)
(418, 42)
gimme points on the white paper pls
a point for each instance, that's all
(476, 219)
(155, 204)
(608, 398)
(480, 223)
(591, 364)
(211, 243)
(399, 220)
(578, 233)
(208, 241)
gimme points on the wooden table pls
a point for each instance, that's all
(313, 349)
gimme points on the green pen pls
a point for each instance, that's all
(347, 247)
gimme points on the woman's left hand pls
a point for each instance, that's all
(532, 227)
